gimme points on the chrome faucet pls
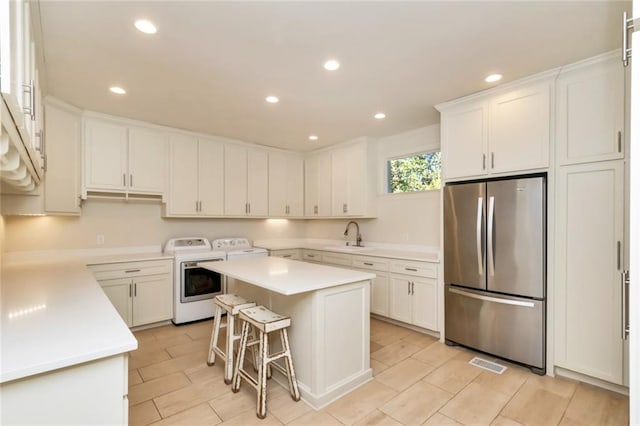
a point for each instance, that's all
(358, 236)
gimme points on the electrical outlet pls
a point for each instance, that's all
(99, 239)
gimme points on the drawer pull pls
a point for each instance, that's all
(311, 255)
(411, 269)
(368, 264)
(286, 255)
(129, 271)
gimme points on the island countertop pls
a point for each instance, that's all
(286, 276)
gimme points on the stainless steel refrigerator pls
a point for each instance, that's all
(495, 267)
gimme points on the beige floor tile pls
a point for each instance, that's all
(316, 418)
(187, 348)
(203, 372)
(189, 397)
(508, 382)
(453, 375)
(419, 339)
(229, 404)
(377, 367)
(389, 334)
(475, 404)
(134, 378)
(378, 418)
(144, 336)
(168, 331)
(359, 403)
(164, 342)
(404, 374)
(395, 352)
(286, 409)
(373, 347)
(504, 421)
(416, 404)
(436, 354)
(200, 415)
(201, 331)
(549, 395)
(146, 357)
(249, 418)
(173, 365)
(160, 386)
(439, 419)
(594, 406)
(143, 414)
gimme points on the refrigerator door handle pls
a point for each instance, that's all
(490, 261)
(492, 299)
(479, 236)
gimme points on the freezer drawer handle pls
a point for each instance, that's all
(492, 299)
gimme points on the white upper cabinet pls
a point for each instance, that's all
(317, 184)
(590, 111)
(501, 131)
(246, 181)
(121, 158)
(285, 184)
(465, 130)
(105, 147)
(352, 179)
(148, 151)
(519, 129)
(196, 177)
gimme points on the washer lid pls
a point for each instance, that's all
(187, 244)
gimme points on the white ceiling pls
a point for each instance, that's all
(211, 64)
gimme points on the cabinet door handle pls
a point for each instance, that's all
(129, 271)
(135, 290)
(411, 269)
(618, 254)
(492, 162)
(131, 180)
(345, 208)
(619, 141)
(368, 264)
(409, 287)
(124, 179)
(412, 288)
(130, 291)
(249, 204)
(484, 161)
(315, 209)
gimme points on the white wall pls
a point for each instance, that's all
(131, 223)
(402, 218)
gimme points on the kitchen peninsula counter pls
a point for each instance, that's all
(329, 309)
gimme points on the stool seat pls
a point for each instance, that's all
(232, 304)
(265, 321)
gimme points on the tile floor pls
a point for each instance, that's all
(417, 380)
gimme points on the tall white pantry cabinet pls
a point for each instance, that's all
(591, 205)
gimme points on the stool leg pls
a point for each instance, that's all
(214, 337)
(231, 334)
(261, 410)
(235, 381)
(291, 375)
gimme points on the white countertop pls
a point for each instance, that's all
(376, 250)
(54, 315)
(286, 276)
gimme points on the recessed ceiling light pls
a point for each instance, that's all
(145, 26)
(272, 99)
(331, 65)
(379, 116)
(493, 78)
(313, 137)
(117, 90)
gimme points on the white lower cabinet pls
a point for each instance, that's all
(141, 292)
(414, 300)
(380, 294)
(590, 245)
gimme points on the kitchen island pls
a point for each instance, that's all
(329, 309)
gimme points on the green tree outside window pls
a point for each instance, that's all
(420, 172)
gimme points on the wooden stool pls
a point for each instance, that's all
(232, 304)
(265, 322)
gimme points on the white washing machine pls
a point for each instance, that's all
(236, 248)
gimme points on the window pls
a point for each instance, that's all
(418, 172)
